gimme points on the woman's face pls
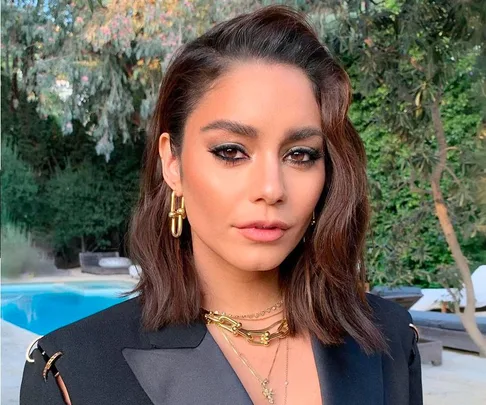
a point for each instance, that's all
(252, 166)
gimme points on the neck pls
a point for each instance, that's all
(235, 291)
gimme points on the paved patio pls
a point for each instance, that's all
(461, 380)
(14, 344)
(74, 274)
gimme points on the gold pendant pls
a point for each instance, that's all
(267, 391)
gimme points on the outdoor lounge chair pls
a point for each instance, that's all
(433, 297)
(89, 263)
(446, 328)
(405, 296)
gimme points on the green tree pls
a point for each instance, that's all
(19, 190)
(18, 213)
(100, 63)
(408, 53)
(32, 180)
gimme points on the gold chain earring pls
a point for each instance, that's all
(176, 215)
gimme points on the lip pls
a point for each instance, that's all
(263, 231)
(264, 224)
(262, 235)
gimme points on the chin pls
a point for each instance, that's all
(254, 259)
(259, 267)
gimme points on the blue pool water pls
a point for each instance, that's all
(44, 307)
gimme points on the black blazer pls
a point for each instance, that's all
(108, 359)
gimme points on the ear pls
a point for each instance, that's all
(170, 164)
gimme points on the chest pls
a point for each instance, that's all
(288, 366)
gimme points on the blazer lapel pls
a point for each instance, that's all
(184, 363)
(347, 375)
(177, 353)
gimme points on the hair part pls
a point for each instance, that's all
(322, 279)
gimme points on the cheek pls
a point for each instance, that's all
(207, 193)
(304, 192)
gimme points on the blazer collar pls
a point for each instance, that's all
(347, 375)
(178, 336)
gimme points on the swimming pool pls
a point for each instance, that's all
(44, 307)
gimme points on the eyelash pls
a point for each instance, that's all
(314, 154)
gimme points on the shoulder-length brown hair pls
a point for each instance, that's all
(322, 279)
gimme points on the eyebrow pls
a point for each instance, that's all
(249, 131)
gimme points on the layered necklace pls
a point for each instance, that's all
(275, 332)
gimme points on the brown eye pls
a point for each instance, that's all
(299, 156)
(229, 153)
(303, 156)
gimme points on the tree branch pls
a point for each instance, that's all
(468, 318)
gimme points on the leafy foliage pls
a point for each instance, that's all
(101, 63)
(57, 188)
(404, 56)
(19, 190)
(80, 79)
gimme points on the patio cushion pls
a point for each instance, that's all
(114, 262)
(401, 290)
(432, 297)
(443, 320)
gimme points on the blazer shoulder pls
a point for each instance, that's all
(387, 308)
(393, 319)
(119, 323)
(86, 349)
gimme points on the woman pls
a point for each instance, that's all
(250, 232)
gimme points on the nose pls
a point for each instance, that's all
(267, 181)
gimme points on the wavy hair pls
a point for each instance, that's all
(323, 278)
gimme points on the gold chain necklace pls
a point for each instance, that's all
(254, 315)
(272, 315)
(259, 337)
(267, 392)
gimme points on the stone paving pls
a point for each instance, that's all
(74, 274)
(15, 341)
(460, 380)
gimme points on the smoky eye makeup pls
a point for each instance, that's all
(300, 156)
(230, 153)
(303, 156)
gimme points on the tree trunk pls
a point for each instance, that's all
(14, 95)
(468, 318)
